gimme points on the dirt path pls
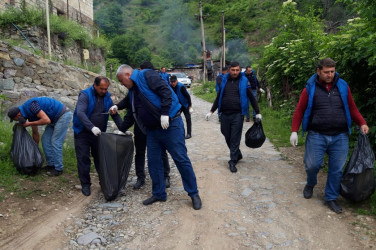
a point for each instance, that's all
(259, 207)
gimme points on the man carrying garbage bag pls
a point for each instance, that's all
(90, 118)
(57, 116)
(232, 103)
(156, 110)
(325, 109)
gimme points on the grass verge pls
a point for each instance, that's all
(24, 186)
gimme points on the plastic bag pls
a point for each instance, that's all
(358, 180)
(255, 137)
(26, 155)
(115, 160)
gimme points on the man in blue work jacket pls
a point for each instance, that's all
(185, 101)
(57, 116)
(156, 110)
(90, 118)
(139, 139)
(164, 75)
(232, 102)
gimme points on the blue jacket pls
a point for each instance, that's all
(138, 78)
(90, 93)
(181, 97)
(217, 82)
(50, 106)
(311, 86)
(243, 85)
(165, 77)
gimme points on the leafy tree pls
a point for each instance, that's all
(124, 48)
(110, 19)
(290, 59)
(142, 55)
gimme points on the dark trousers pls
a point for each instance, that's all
(187, 119)
(173, 140)
(84, 144)
(231, 128)
(139, 158)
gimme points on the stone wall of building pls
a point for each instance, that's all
(24, 75)
(79, 10)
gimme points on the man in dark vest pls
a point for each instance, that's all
(89, 120)
(46, 111)
(185, 101)
(156, 110)
(251, 76)
(232, 102)
(325, 109)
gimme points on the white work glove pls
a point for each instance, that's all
(259, 116)
(129, 133)
(165, 121)
(261, 90)
(294, 139)
(190, 110)
(96, 131)
(113, 109)
(207, 117)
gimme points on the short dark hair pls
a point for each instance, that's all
(13, 112)
(248, 67)
(326, 62)
(146, 65)
(234, 64)
(163, 67)
(224, 68)
(98, 79)
(173, 78)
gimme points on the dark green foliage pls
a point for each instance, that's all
(124, 48)
(110, 19)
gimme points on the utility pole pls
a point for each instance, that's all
(203, 41)
(68, 9)
(48, 29)
(223, 40)
(79, 7)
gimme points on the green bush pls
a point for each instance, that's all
(21, 17)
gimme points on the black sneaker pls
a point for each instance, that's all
(196, 202)
(86, 190)
(139, 183)
(333, 205)
(232, 167)
(188, 136)
(167, 181)
(151, 200)
(308, 191)
(54, 172)
(48, 168)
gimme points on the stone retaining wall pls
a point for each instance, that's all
(72, 53)
(24, 75)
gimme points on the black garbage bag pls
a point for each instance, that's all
(26, 155)
(358, 180)
(255, 137)
(115, 160)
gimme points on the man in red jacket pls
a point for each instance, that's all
(325, 109)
